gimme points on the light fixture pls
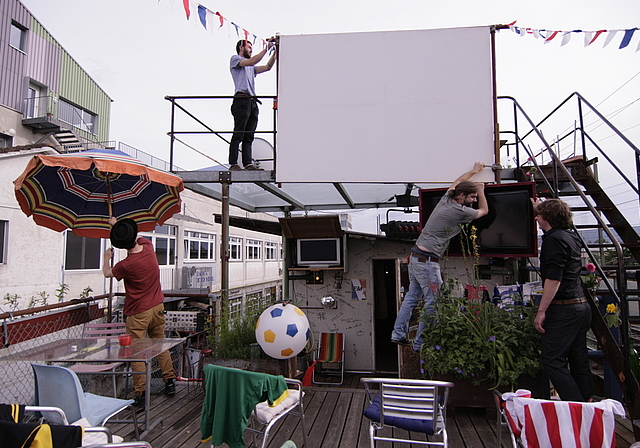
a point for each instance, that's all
(11, 132)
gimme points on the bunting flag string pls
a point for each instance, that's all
(589, 36)
(209, 19)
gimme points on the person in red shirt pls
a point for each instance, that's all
(143, 304)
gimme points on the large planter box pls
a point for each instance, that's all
(468, 395)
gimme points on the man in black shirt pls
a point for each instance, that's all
(564, 316)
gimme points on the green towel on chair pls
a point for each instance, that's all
(230, 397)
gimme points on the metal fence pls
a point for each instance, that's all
(25, 329)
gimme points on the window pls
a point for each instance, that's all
(77, 117)
(270, 251)
(82, 252)
(253, 304)
(18, 37)
(235, 310)
(164, 242)
(235, 248)
(199, 246)
(254, 250)
(31, 103)
(3, 241)
(6, 141)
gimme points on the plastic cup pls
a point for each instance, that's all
(125, 340)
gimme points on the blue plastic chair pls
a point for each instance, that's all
(60, 387)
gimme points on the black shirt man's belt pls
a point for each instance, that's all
(568, 301)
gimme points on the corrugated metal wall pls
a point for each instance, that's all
(12, 61)
(47, 63)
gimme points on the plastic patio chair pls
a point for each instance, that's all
(329, 357)
(60, 387)
(417, 406)
(100, 331)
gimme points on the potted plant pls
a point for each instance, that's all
(479, 343)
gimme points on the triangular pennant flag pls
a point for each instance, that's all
(236, 27)
(202, 13)
(566, 37)
(246, 34)
(185, 3)
(221, 19)
(610, 35)
(588, 35)
(598, 33)
(628, 34)
(638, 47)
(536, 34)
(551, 36)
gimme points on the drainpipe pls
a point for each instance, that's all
(224, 251)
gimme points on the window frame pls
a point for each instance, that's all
(235, 242)
(90, 252)
(4, 230)
(253, 250)
(194, 241)
(22, 30)
(170, 234)
(270, 251)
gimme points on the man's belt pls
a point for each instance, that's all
(568, 301)
(246, 94)
(424, 259)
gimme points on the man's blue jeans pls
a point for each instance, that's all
(425, 283)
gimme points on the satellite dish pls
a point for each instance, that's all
(263, 154)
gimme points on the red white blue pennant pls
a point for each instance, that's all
(589, 36)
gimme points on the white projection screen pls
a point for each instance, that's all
(393, 106)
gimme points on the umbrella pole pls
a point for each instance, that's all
(110, 300)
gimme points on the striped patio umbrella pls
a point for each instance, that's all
(80, 191)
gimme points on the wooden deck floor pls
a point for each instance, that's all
(333, 417)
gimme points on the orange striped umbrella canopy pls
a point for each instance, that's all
(80, 191)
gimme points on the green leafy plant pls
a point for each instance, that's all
(12, 300)
(235, 338)
(85, 292)
(44, 297)
(61, 292)
(479, 341)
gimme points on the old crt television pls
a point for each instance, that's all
(317, 252)
(509, 230)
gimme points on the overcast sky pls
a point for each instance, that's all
(138, 51)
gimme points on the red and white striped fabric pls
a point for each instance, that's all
(564, 424)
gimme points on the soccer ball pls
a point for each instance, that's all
(282, 331)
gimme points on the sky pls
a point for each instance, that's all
(139, 51)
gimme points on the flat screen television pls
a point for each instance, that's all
(316, 252)
(508, 230)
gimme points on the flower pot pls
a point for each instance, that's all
(465, 394)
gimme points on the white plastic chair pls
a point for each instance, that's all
(93, 330)
(417, 406)
(60, 387)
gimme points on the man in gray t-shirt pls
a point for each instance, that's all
(244, 107)
(454, 208)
